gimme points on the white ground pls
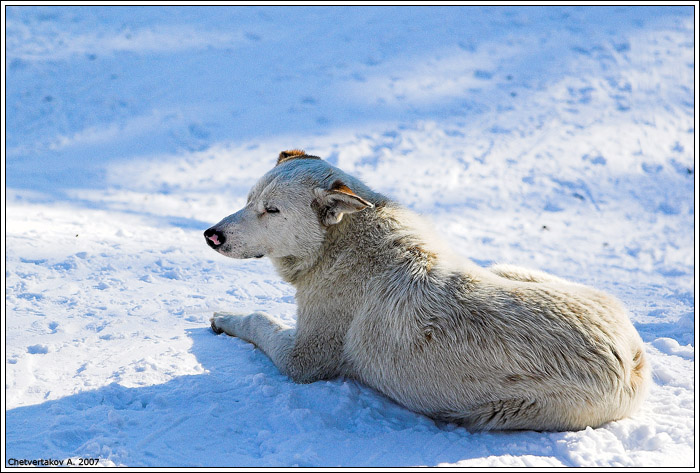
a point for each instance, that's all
(555, 138)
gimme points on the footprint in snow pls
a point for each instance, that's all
(38, 350)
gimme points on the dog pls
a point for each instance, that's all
(380, 299)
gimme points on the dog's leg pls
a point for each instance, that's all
(260, 329)
(305, 359)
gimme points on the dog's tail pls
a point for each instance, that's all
(639, 380)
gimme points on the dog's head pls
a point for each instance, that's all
(289, 210)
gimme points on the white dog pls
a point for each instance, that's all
(380, 300)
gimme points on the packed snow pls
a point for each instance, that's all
(557, 138)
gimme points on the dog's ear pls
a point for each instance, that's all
(293, 154)
(332, 203)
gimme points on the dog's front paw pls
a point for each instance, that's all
(214, 327)
(225, 322)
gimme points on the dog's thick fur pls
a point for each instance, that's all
(380, 300)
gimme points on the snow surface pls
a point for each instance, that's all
(559, 138)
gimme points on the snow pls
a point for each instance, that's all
(558, 138)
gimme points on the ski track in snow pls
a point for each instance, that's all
(555, 138)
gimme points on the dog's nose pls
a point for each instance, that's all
(214, 238)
